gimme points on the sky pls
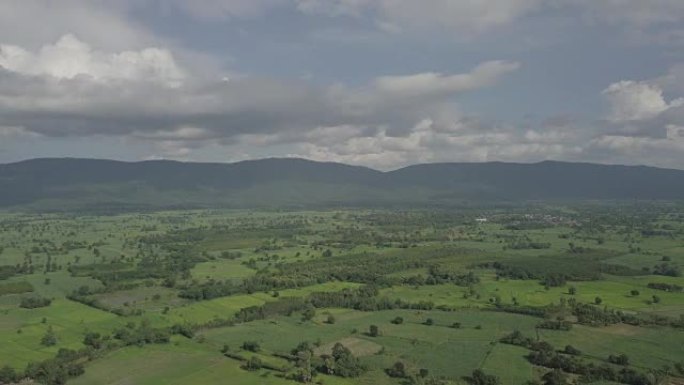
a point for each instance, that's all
(379, 83)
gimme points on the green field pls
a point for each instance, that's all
(441, 289)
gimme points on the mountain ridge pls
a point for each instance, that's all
(54, 183)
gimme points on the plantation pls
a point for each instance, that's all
(344, 296)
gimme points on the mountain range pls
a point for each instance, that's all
(68, 183)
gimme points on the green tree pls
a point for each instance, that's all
(49, 338)
(555, 377)
(373, 331)
(309, 313)
(481, 378)
(398, 370)
(251, 346)
(253, 364)
(8, 375)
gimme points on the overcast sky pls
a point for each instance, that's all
(381, 83)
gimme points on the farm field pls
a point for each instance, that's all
(349, 296)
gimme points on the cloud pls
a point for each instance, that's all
(69, 88)
(219, 9)
(31, 23)
(8, 132)
(466, 140)
(634, 101)
(430, 83)
(69, 58)
(664, 152)
(645, 127)
(467, 17)
(631, 12)
(643, 21)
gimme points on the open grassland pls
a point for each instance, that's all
(21, 330)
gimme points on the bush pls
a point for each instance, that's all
(620, 359)
(571, 350)
(34, 302)
(251, 346)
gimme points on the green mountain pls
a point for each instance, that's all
(61, 184)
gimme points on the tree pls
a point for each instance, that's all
(569, 349)
(423, 372)
(572, 290)
(343, 364)
(8, 375)
(620, 359)
(251, 346)
(398, 370)
(397, 321)
(331, 319)
(555, 377)
(656, 299)
(634, 292)
(304, 372)
(373, 331)
(481, 378)
(598, 300)
(49, 338)
(93, 339)
(429, 322)
(253, 364)
(309, 313)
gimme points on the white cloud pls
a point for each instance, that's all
(633, 101)
(667, 151)
(69, 58)
(71, 89)
(9, 132)
(428, 83)
(428, 142)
